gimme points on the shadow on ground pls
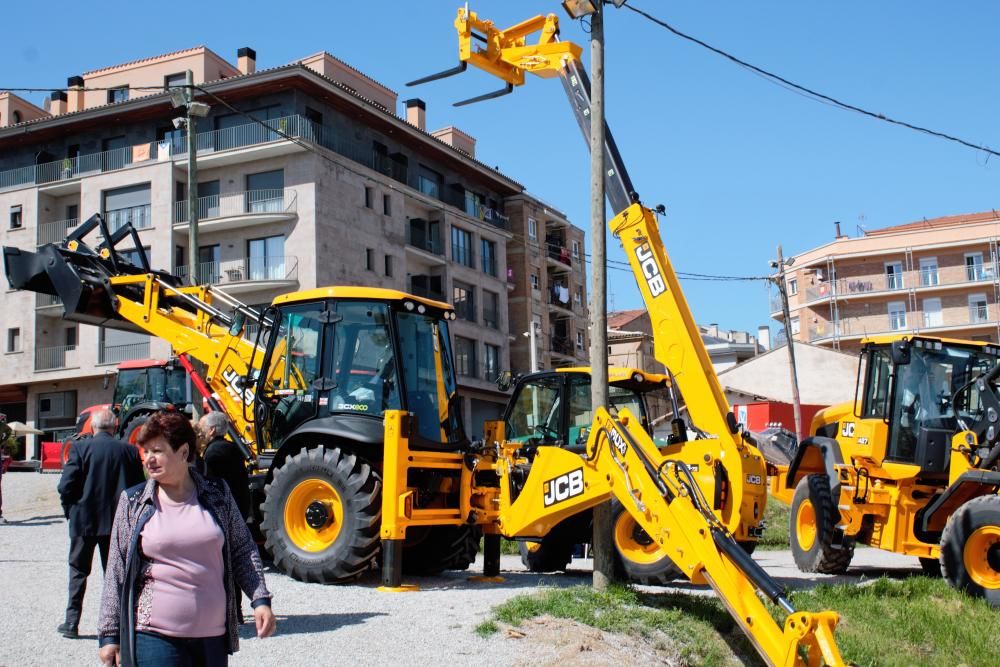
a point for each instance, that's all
(38, 521)
(301, 624)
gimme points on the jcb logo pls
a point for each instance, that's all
(754, 479)
(233, 381)
(847, 430)
(650, 270)
(563, 487)
(618, 441)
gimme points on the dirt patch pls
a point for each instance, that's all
(557, 641)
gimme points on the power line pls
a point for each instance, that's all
(808, 92)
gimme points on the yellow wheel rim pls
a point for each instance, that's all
(805, 525)
(633, 543)
(314, 515)
(982, 556)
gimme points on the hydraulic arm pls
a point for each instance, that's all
(101, 286)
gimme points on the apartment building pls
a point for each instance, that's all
(935, 276)
(547, 275)
(306, 177)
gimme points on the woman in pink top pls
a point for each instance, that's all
(180, 552)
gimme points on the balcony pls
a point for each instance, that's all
(935, 322)
(115, 354)
(426, 236)
(560, 345)
(54, 358)
(235, 210)
(55, 232)
(248, 274)
(926, 279)
(140, 217)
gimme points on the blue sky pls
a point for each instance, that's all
(741, 164)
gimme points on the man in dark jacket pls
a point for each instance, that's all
(224, 460)
(96, 473)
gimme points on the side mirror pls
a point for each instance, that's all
(237, 326)
(505, 381)
(107, 381)
(900, 352)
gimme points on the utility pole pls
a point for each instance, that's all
(779, 281)
(532, 339)
(602, 538)
(192, 185)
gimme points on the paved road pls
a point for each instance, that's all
(317, 625)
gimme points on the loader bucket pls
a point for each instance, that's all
(80, 285)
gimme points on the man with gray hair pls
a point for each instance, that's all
(224, 460)
(97, 471)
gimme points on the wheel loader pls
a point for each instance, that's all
(911, 465)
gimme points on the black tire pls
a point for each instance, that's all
(552, 553)
(931, 567)
(821, 555)
(131, 429)
(434, 549)
(973, 565)
(637, 558)
(354, 547)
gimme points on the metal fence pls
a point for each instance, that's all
(239, 203)
(54, 232)
(113, 354)
(246, 269)
(50, 358)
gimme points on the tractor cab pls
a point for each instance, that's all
(917, 390)
(337, 358)
(155, 381)
(554, 408)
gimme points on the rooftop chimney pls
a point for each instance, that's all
(837, 227)
(764, 336)
(75, 96)
(246, 60)
(57, 102)
(416, 113)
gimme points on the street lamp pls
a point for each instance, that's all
(183, 97)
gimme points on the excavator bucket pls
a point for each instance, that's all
(78, 275)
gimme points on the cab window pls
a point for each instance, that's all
(535, 414)
(365, 373)
(876, 396)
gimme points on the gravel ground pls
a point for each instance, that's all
(317, 625)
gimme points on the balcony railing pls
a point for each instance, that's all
(239, 203)
(561, 345)
(424, 237)
(559, 253)
(46, 301)
(247, 269)
(913, 320)
(139, 216)
(941, 276)
(51, 358)
(54, 232)
(113, 354)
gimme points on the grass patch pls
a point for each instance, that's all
(914, 621)
(776, 534)
(507, 547)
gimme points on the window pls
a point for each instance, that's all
(932, 313)
(578, 297)
(534, 281)
(463, 298)
(127, 205)
(474, 207)
(974, 266)
(465, 356)
(461, 246)
(119, 94)
(16, 221)
(794, 325)
(894, 275)
(897, 315)
(576, 250)
(429, 182)
(388, 266)
(386, 204)
(370, 259)
(978, 308)
(14, 339)
(266, 192)
(491, 309)
(532, 228)
(793, 286)
(491, 362)
(69, 337)
(876, 400)
(174, 80)
(579, 341)
(57, 409)
(489, 252)
(928, 271)
(132, 255)
(266, 258)
(16, 116)
(369, 197)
